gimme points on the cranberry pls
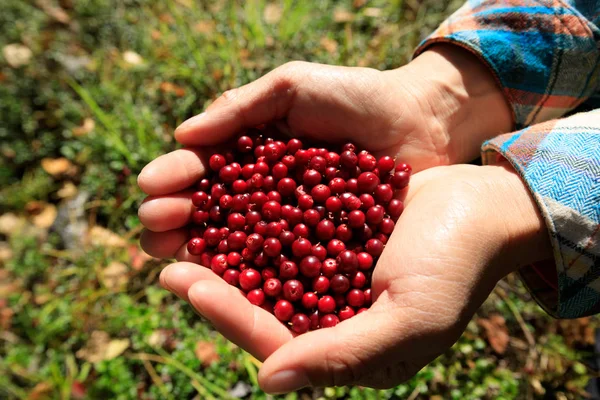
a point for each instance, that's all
(339, 284)
(320, 193)
(386, 226)
(236, 221)
(367, 162)
(314, 320)
(310, 266)
(343, 233)
(358, 280)
(283, 310)
(287, 238)
(368, 298)
(271, 210)
(212, 236)
(232, 276)
(326, 304)
(375, 214)
(254, 242)
(352, 185)
(356, 219)
(385, 164)
(305, 202)
(274, 229)
(300, 323)
(367, 182)
(318, 163)
(333, 204)
(196, 246)
(219, 264)
(355, 298)
(216, 162)
(348, 159)
(365, 261)
(395, 208)
(272, 247)
(228, 174)
(367, 201)
(329, 267)
(288, 270)
(249, 279)
(374, 247)
(293, 290)
(301, 230)
(404, 167)
(319, 251)
(311, 177)
(293, 146)
(200, 199)
(234, 259)
(347, 261)
(384, 193)
(320, 284)
(204, 184)
(272, 287)
(279, 171)
(325, 230)
(311, 217)
(337, 185)
(200, 217)
(400, 180)
(301, 247)
(256, 297)
(346, 313)
(289, 161)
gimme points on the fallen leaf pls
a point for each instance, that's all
(496, 332)
(205, 27)
(115, 276)
(100, 347)
(168, 87)
(56, 166)
(358, 3)
(16, 55)
(132, 58)
(272, 13)
(11, 223)
(206, 353)
(102, 237)
(67, 191)
(54, 11)
(329, 45)
(138, 257)
(373, 12)
(40, 391)
(155, 34)
(45, 218)
(86, 127)
(341, 15)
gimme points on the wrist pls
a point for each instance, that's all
(463, 103)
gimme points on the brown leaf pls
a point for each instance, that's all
(341, 15)
(358, 3)
(40, 391)
(100, 347)
(115, 276)
(168, 87)
(86, 127)
(329, 45)
(54, 11)
(11, 223)
(45, 217)
(102, 237)
(56, 166)
(272, 13)
(496, 332)
(205, 27)
(17, 55)
(206, 353)
(155, 34)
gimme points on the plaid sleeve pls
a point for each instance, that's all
(559, 161)
(545, 54)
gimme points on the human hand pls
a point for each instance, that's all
(463, 229)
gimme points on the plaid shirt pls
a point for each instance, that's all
(545, 54)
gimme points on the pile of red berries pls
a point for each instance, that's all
(298, 230)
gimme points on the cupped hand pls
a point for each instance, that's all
(463, 229)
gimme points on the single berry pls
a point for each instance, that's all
(293, 290)
(300, 323)
(310, 266)
(339, 284)
(310, 300)
(272, 247)
(347, 262)
(283, 310)
(250, 279)
(329, 267)
(346, 313)
(326, 304)
(374, 247)
(355, 298)
(288, 270)
(272, 287)
(196, 246)
(320, 284)
(232, 276)
(256, 297)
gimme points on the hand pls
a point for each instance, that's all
(463, 229)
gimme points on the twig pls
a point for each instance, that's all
(414, 393)
(156, 379)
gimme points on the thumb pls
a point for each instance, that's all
(348, 353)
(264, 100)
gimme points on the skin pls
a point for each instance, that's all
(431, 113)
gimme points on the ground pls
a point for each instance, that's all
(90, 91)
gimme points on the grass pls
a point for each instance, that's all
(106, 84)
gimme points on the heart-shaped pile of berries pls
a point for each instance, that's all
(299, 231)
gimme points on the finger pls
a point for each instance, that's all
(173, 171)
(335, 356)
(264, 100)
(164, 213)
(250, 327)
(179, 277)
(163, 244)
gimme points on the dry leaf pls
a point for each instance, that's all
(496, 332)
(206, 353)
(138, 257)
(115, 276)
(100, 347)
(40, 391)
(67, 191)
(86, 127)
(56, 166)
(54, 11)
(373, 12)
(155, 34)
(329, 44)
(272, 13)
(102, 237)
(341, 15)
(168, 87)
(132, 58)
(10, 223)
(16, 55)
(358, 3)
(45, 218)
(206, 27)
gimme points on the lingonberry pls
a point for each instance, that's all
(254, 242)
(337, 185)
(358, 280)
(367, 162)
(288, 270)
(217, 190)
(272, 287)
(339, 284)
(269, 183)
(318, 163)
(311, 177)
(261, 228)
(329, 267)
(367, 201)
(343, 233)
(367, 182)
(352, 185)
(347, 262)
(287, 238)
(240, 203)
(395, 208)
(256, 297)
(333, 204)
(261, 259)
(274, 229)
(326, 304)
(196, 246)
(271, 210)
(293, 145)
(368, 298)
(289, 161)
(320, 193)
(400, 180)
(300, 323)
(212, 236)
(200, 217)
(301, 230)
(314, 320)
(244, 144)
(279, 170)
(283, 310)
(355, 298)
(356, 219)
(247, 255)
(375, 214)
(216, 162)
(374, 247)
(320, 284)
(305, 202)
(204, 184)
(325, 230)
(272, 247)
(237, 240)
(200, 199)
(310, 300)
(302, 157)
(330, 173)
(365, 261)
(219, 264)
(274, 195)
(234, 258)
(223, 246)
(386, 226)
(293, 290)
(404, 167)
(311, 217)
(249, 279)
(236, 221)
(346, 313)
(385, 164)
(232, 276)
(348, 159)
(310, 266)
(319, 251)
(301, 247)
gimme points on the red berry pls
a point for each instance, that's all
(326, 304)
(352, 185)
(237, 240)
(335, 247)
(385, 164)
(236, 221)
(287, 238)
(234, 259)
(329, 267)
(256, 297)
(348, 159)
(347, 262)
(367, 201)
(319, 251)
(375, 214)
(320, 193)
(356, 219)
(395, 208)
(320, 284)
(232, 277)
(305, 202)
(293, 146)
(337, 185)
(311, 217)
(374, 247)
(346, 313)
(311, 177)
(204, 184)
(386, 226)
(404, 167)
(271, 210)
(200, 199)
(250, 279)
(339, 284)
(318, 163)
(272, 287)
(325, 230)
(196, 246)
(301, 230)
(244, 144)
(400, 180)
(286, 186)
(301, 247)
(333, 204)
(367, 182)
(274, 229)
(384, 193)
(355, 298)
(368, 298)
(310, 266)
(279, 171)
(293, 290)
(283, 310)
(219, 264)
(288, 270)
(216, 162)
(300, 323)
(254, 242)
(367, 162)
(343, 233)
(358, 280)
(365, 261)
(272, 247)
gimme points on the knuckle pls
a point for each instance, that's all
(230, 95)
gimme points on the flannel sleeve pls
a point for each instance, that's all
(559, 161)
(544, 53)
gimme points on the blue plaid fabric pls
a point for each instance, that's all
(545, 55)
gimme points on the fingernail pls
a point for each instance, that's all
(191, 122)
(285, 381)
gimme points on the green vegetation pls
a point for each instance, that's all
(90, 91)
